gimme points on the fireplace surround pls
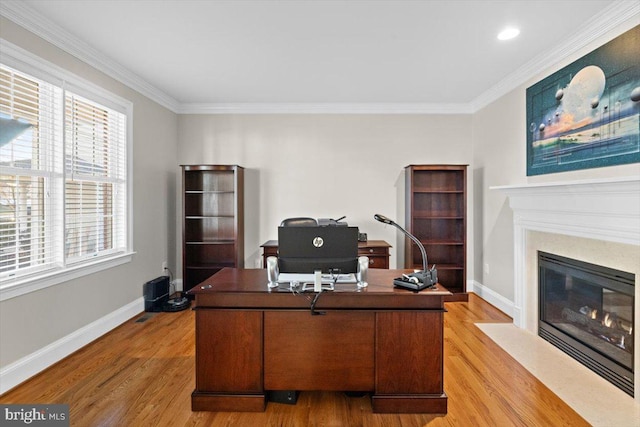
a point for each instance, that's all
(596, 221)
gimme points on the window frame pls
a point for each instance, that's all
(27, 62)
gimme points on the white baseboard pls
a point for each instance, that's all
(26, 367)
(492, 297)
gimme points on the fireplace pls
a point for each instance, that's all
(587, 311)
(595, 220)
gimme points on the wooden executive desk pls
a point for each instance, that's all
(381, 340)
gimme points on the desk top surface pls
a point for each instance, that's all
(248, 288)
(366, 244)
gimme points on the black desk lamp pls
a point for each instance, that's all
(420, 279)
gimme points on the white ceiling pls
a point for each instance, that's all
(233, 53)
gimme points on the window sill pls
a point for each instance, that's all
(31, 284)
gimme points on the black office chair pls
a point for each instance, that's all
(299, 222)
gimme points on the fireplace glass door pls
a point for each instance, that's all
(588, 311)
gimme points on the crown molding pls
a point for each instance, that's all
(621, 13)
(40, 25)
(323, 108)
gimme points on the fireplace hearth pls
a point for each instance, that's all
(587, 311)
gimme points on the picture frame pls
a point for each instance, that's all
(587, 114)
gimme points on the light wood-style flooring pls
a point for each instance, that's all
(142, 374)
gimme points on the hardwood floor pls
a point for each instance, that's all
(142, 374)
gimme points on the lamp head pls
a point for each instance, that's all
(383, 219)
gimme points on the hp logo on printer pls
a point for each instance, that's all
(318, 242)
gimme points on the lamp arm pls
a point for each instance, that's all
(383, 219)
(415, 281)
(417, 242)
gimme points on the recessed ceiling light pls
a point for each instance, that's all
(508, 33)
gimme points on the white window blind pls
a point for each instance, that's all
(31, 121)
(63, 181)
(95, 179)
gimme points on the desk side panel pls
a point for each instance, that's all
(409, 348)
(228, 351)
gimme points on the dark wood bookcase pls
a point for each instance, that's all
(436, 213)
(213, 221)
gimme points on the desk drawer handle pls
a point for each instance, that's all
(370, 261)
(370, 251)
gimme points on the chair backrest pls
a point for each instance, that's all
(299, 222)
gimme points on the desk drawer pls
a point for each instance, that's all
(305, 352)
(373, 251)
(270, 251)
(378, 262)
(378, 255)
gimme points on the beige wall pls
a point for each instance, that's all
(323, 166)
(499, 158)
(31, 321)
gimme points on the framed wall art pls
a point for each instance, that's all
(587, 114)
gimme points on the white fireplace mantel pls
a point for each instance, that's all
(606, 209)
(599, 209)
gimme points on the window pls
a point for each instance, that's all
(63, 179)
(95, 140)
